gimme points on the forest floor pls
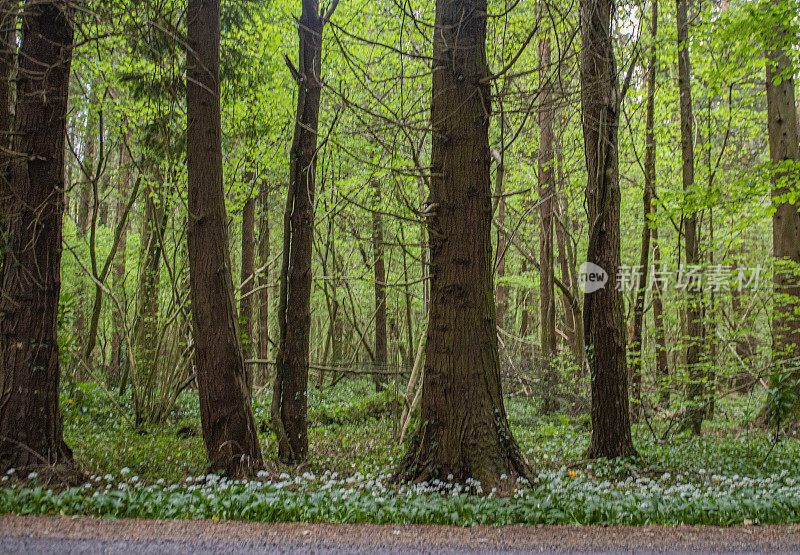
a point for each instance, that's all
(25, 534)
(733, 474)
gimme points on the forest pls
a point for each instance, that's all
(397, 261)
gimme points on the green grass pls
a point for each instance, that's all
(732, 474)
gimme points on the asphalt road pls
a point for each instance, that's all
(60, 535)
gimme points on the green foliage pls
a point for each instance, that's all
(723, 478)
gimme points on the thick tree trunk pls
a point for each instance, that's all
(547, 193)
(381, 342)
(696, 388)
(464, 431)
(229, 430)
(246, 298)
(636, 354)
(8, 56)
(30, 423)
(602, 312)
(783, 149)
(289, 399)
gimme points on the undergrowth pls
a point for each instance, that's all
(734, 473)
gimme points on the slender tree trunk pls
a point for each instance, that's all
(602, 312)
(636, 354)
(263, 296)
(229, 430)
(783, 149)
(145, 327)
(84, 219)
(246, 299)
(118, 270)
(30, 423)
(501, 293)
(381, 343)
(547, 193)
(289, 399)
(696, 389)
(464, 430)
(660, 332)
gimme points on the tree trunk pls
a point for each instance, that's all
(246, 293)
(696, 389)
(602, 312)
(289, 400)
(84, 213)
(8, 56)
(464, 431)
(783, 150)
(229, 430)
(501, 290)
(30, 423)
(648, 212)
(145, 327)
(263, 295)
(547, 193)
(660, 333)
(118, 270)
(381, 344)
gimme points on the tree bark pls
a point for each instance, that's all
(246, 298)
(547, 193)
(289, 400)
(229, 430)
(602, 312)
(464, 431)
(8, 56)
(648, 211)
(381, 342)
(263, 295)
(30, 423)
(696, 388)
(785, 157)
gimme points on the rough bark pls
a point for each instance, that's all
(696, 387)
(289, 399)
(547, 190)
(784, 155)
(246, 298)
(381, 341)
(464, 430)
(30, 423)
(636, 354)
(8, 56)
(602, 312)
(229, 430)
